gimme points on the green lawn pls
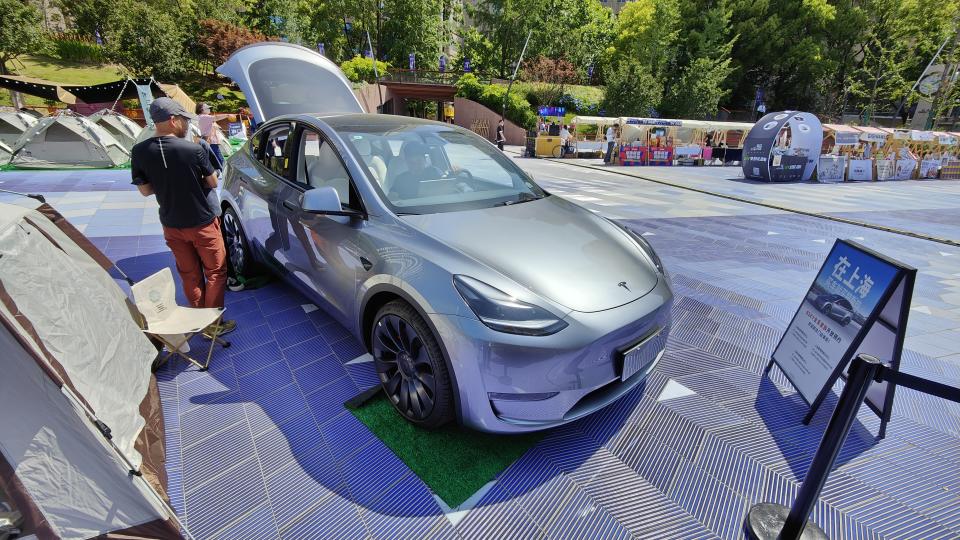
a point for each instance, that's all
(453, 461)
(197, 86)
(56, 70)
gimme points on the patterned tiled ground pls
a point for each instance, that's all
(261, 447)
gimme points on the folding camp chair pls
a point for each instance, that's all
(173, 325)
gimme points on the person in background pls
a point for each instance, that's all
(501, 138)
(564, 139)
(611, 138)
(209, 131)
(179, 173)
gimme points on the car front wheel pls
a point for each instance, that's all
(410, 366)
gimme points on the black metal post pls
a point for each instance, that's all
(767, 521)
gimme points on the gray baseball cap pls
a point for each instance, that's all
(162, 109)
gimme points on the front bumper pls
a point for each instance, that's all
(509, 383)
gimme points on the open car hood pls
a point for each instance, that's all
(282, 78)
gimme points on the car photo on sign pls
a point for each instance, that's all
(481, 297)
(845, 293)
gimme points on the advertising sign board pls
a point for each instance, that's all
(857, 303)
(831, 169)
(929, 168)
(886, 169)
(660, 155)
(905, 168)
(861, 170)
(633, 154)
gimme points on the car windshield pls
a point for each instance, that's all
(423, 168)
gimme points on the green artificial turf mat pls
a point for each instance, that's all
(453, 461)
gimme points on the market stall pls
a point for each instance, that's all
(589, 134)
(725, 141)
(839, 147)
(647, 141)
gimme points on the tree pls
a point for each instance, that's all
(648, 32)
(21, 32)
(705, 57)
(631, 91)
(412, 26)
(219, 39)
(552, 74)
(86, 16)
(478, 49)
(147, 41)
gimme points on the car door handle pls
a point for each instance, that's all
(290, 206)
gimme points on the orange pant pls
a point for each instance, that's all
(199, 252)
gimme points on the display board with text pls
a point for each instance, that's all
(858, 303)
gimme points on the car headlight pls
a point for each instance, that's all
(504, 313)
(646, 248)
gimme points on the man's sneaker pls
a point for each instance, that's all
(224, 327)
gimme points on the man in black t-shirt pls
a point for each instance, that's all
(179, 173)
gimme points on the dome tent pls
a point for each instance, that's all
(123, 129)
(68, 140)
(13, 125)
(81, 407)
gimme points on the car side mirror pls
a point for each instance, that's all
(321, 200)
(325, 201)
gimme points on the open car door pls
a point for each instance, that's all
(282, 78)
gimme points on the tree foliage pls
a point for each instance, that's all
(148, 42)
(219, 39)
(20, 33)
(360, 69)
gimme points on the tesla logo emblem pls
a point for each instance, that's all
(623, 284)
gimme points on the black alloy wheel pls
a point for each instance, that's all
(239, 261)
(410, 366)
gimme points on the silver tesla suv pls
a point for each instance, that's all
(480, 296)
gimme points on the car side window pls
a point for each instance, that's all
(320, 166)
(276, 155)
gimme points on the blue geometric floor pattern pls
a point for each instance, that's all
(261, 446)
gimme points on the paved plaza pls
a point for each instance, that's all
(262, 447)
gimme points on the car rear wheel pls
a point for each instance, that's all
(410, 366)
(239, 260)
(828, 309)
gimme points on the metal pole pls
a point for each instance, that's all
(862, 372)
(769, 521)
(376, 74)
(516, 68)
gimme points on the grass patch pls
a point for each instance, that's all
(60, 71)
(453, 461)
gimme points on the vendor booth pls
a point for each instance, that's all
(589, 134)
(783, 147)
(725, 141)
(647, 141)
(839, 147)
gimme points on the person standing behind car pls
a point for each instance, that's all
(611, 138)
(179, 173)
(209, 131)
(501, 139)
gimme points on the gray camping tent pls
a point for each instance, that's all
(13, 125)
(5, 153)
(67, 140)
(74, 361)
(123, 129)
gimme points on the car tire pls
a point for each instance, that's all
(827, 308)
(239, 258)
(410, 366)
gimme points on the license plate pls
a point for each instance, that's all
(641, 355)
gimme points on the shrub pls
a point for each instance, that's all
(360, 69)
(73, 49)
(491, 96)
